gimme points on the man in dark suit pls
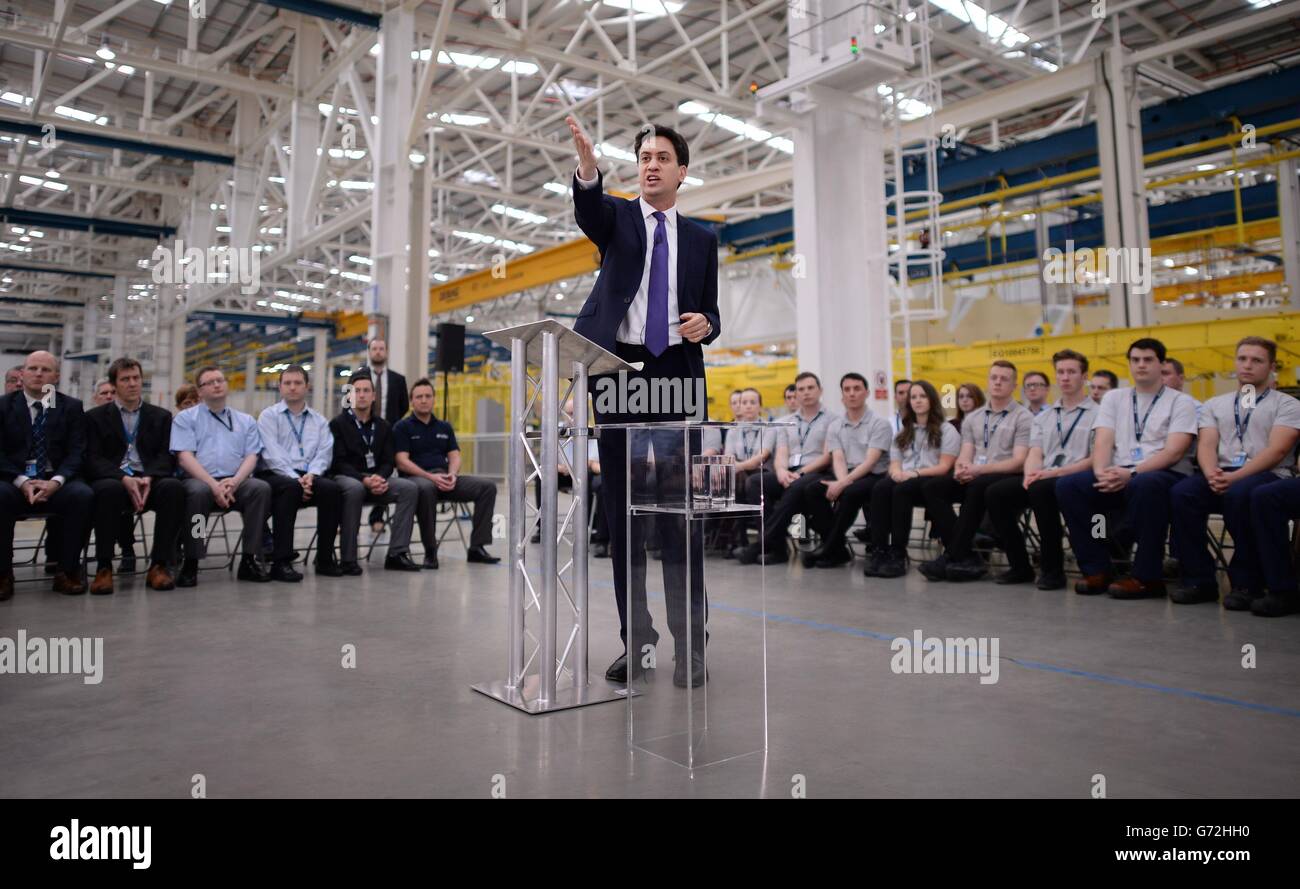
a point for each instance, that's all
(44, 444)
(392, 401)
(131, 469)
(655, 302)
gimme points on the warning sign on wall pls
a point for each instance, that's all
(882, 386)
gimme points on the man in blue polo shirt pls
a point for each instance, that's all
(427, 454)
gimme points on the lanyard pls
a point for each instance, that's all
(987, 432)
(130, 433)
(745, 443)
(916, 441)
(369, 442)
(297, 430)
(803, 433)
(1241, 425)
(1140, 427)
(230, 427)
(1066, 439)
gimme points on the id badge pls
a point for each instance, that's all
(796, 460)
(1136, 455)
(370, 459)
(981, 459)
(30, 471)
(1058, 461)
(126, 468)
(1239, 459)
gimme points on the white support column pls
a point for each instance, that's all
(1288, 206)
(175, 363)
(117, 337)
(839, 220)
(1119, 149)
(250, 383)
(400, 208)
(66, 345)
(243, 214)
(305, 129)
(320, 372)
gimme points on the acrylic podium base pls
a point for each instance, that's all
(525, 697)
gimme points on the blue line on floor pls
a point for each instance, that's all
(1029, 665)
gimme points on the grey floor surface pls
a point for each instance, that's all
(243, 684)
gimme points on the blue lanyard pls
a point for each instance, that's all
(130, 433)
(1140, 427)
(803, 433)
(1066, 439)
(1241, 425)
(987, 433)
(369, 442)
(230, 427)
(744, 440)
(297, 431)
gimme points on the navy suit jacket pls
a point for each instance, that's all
(65, 436)
(617, 228)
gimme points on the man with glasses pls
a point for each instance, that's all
(217, 448)
(1036, 388)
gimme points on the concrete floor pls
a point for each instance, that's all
(242, 683)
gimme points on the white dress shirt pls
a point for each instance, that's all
(632, 330)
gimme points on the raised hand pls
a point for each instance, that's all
(586, 152)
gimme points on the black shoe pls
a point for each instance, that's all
(874, 563)
(285, 573)
(480, 555)
(128, 564)
(536, 538)
(1169, 568)
(863, 534)
(328, 568)
(1195, 595)
(893, 566)
(777, 556)
(1241, 600)
(350, 569)
(189, 575)
(968, 569)
(697, 672)
(1051, 582)
(984, 541)
(835, 558)
(430, 561)
(7, 587)
(748, 555)
(617, 671)
(400, 562)
(810, 558)
(251, 569)
(1015, 575)
(1276, 605)
(935, 569)
(600, 550)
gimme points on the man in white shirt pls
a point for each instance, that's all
(1140, 452)
(902, 390)
(1246, 440)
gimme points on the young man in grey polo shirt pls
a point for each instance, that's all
(859, 446)
(1140, 452)
(994, 444)
(801, 460)
(1246, 440)
(1059, 444)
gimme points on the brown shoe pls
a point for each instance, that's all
(1092, 584)
(102, 585)
(1132, 588)
(7, 587)
(68, 585)
(159, 578)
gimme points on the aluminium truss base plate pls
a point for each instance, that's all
(565, 699)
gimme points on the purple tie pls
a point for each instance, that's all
(656, 313)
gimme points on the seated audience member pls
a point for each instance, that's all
(1035, 389)
(1059, 444)
(791, 396)
(564, 479)
(297, 452)
(1246, 441)
(131, 469)
(1172, 374)
(217, 447)
(902, 392)
(41, 461)
(994, 444)
(1102, 381)
(13, 379)
(970, 398)
(1272, 507)
(187, 395)
(103, 393)
(752, 448)
(925, 448)
(802, 460)
(364, 461)
(859, 447)
(428, 455)
(1141, 450)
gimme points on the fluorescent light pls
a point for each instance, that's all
(15, 98)
(439, 276)
(278, 180)
(415, 157)
(647, 9)
(105, 52)
(737, 126)
(78, 114)
(47, 183)
(516, 66)
(356, 185)
(355, 154)
(478, 238)
(361, 260)
(463, 120)
(973, 14)
(558, 188)
(355, 276)
(521, 215)
(1187, 269)
(605, 149)
(908, 109)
